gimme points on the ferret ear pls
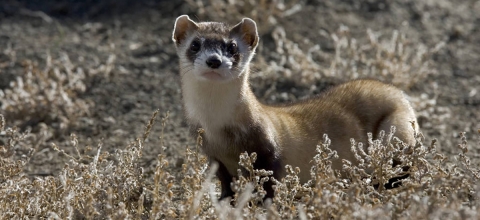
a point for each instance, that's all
(183, 25)
(247, 30)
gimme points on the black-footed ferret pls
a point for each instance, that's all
(214, 69)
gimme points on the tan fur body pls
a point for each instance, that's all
(350, 110)
(235, 121)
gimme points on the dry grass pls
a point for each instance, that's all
(96, 184)
(114, 185)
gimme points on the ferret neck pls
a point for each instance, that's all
(214, 106)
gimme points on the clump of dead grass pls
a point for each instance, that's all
(50, 94)
(390, 59)
(266, 12)
(114, 185)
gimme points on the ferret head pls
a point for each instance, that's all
(213, 51)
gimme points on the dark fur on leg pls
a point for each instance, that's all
(225, 180)
(395, 181)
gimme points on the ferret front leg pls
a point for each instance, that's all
(225, 179)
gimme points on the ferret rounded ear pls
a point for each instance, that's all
(183, 25)
(247, 30)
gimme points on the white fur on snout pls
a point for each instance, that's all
(224, 70)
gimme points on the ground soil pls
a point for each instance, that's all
(145, 73)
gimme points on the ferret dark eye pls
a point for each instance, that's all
(195, 46)
(232, 48)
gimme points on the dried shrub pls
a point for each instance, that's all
(46, 96)
(114, 185)
(17, 148)
(393, 60)
(264, 12)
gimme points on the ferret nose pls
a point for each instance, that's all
(214, 62)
